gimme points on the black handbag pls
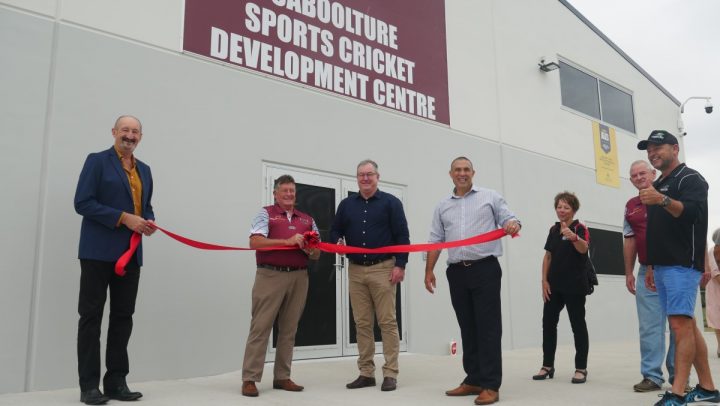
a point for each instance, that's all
(590, 273)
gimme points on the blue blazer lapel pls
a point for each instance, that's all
(115, 162)
(145, 179)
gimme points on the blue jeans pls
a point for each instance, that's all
(651, 320)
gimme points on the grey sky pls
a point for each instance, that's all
(678, 43)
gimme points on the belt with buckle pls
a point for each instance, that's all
(471, 262)
(368, 263)
(282, 268)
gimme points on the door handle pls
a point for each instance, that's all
(339, 265)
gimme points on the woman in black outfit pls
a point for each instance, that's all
(564, 283)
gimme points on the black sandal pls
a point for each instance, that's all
(549, 373)
(580, 380)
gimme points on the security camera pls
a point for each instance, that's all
(708, 107)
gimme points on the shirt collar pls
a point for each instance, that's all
(673, 174)
(572, 223)
(376, 195)
(677, 170)
(281, 210)
(120, 155)
(472, 189)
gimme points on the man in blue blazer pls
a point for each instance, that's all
(113, 196)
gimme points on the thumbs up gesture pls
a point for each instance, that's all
(650, 196)
(566, 232)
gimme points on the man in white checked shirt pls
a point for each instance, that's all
(473, 275)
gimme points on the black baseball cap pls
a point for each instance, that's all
(658, 137)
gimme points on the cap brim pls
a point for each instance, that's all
(642, 145)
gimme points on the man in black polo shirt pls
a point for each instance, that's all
(676, 237)
(372, 219)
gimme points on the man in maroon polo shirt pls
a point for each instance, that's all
(281, 285)
(651, 320)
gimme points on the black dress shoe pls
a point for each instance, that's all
(580, 380)
(93, 397)
(121, 392)
(545, 373)
(361, 382)
(388, 384)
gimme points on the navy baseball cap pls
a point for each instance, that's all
(658, 137)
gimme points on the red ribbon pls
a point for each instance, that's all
(125, 258)
(391, 249)
(312, 240)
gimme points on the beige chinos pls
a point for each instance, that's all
(372, 294)
(275, 294)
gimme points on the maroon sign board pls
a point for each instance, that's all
(390, 53)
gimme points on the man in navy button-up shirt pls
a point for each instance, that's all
(376, 221)
(373, 219)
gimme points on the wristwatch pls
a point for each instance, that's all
(665, 201)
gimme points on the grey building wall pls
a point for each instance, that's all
(73, 67)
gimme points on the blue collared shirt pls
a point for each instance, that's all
(376, 222)
(459, 217)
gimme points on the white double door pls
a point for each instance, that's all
(326, 328)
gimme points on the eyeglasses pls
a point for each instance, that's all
(366, 175)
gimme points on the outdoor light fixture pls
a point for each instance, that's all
(547, 66)
(708, 110)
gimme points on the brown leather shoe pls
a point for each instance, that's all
(361, 382)
(287, 384)
(249, 389)
(389, 384)
(487, 397)
(464, 390)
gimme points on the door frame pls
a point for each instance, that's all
(342, 184)
(313, 178)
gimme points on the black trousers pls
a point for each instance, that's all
(475, 296)
(551, 315)
(95, 278)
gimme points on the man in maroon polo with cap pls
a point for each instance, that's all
(281, 285)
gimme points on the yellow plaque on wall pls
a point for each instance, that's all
(606, 160)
